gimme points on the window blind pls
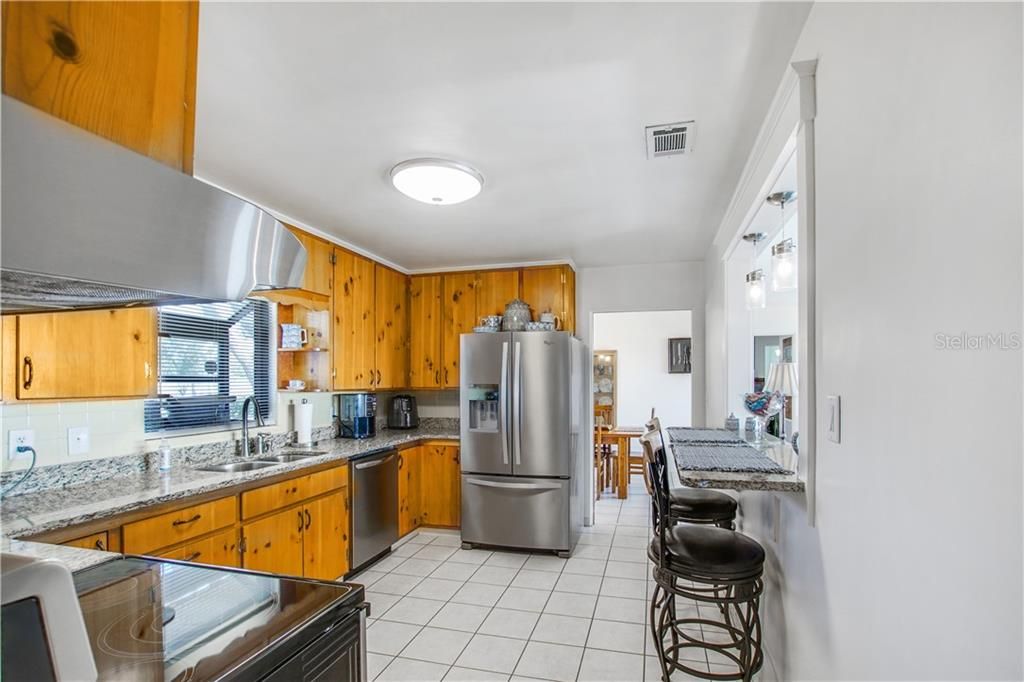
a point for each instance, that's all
(211, 357)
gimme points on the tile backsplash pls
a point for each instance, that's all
(116, 427)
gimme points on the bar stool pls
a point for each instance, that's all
(692, 505)
(708, 565)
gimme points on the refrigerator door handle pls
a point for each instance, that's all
(517, 402)
(503, 403)
(513, 486)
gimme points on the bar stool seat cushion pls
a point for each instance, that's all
(709, 552)
(707, 505)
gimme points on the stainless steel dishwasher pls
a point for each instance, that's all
(374, 505)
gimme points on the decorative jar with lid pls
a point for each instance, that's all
(517, 314)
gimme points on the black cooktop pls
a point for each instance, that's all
(153, 619)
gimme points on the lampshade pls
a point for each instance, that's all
(782, 378)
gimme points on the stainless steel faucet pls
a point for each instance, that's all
(246, 445)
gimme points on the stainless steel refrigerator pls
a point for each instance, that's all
(524, 457)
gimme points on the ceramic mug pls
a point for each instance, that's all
(551, 319)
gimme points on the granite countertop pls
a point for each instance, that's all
(48, 510)
(781, 453)
(73, 557)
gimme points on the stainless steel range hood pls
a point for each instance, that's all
(87, 223)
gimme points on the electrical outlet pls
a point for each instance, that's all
(78, 440)
(18, 438)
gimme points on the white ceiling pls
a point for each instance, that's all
(303, 108)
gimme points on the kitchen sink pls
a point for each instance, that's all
(289, 457)
(234, 467)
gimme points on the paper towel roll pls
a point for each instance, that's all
(304, 422)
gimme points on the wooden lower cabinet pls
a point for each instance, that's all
(166, 530)
(274, 544)
(98, 541)
(410, 514)
(440, 484)
(309, 539)
(325, 537)
(217, 550)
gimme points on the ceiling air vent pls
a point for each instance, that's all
(669, 139)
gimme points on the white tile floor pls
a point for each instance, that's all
(442, 613)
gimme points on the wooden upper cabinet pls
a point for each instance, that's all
(123, 70)
(458, 303)
(86, 354)
(551, 290)
(319, 274)
(569, 320)
(354, 359)
(494, 289)
(392, 320)
(425, 331)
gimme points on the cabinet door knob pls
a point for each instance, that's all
(27, 373)
(309, 519)
(301, 522)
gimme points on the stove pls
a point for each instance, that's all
(150, 619)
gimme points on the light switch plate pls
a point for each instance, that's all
(17, 438)
(833, 418)
(78, 440)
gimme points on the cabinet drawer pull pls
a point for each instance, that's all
(309, 519)
(185, 522)
(99, 546)
(27, 373)
(193, 556)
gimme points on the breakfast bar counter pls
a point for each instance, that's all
(779, 452)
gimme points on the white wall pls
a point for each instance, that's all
(635, 288)
(913, 570)
(641, 343)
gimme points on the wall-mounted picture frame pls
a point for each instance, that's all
(679, 350)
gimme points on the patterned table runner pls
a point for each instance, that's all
(678, 434)
(735, 458)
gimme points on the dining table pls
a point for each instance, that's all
(622, 437)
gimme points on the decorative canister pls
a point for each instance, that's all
(517, 314)
(732, 423)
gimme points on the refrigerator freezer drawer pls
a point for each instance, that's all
(531, 513)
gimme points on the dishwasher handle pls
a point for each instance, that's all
(375, 463)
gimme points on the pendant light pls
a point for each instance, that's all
(755, 291)
(784, 252)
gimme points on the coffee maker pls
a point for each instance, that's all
(357, 415)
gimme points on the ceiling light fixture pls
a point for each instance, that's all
(755, 294)
(784, 252)
(436, 181)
